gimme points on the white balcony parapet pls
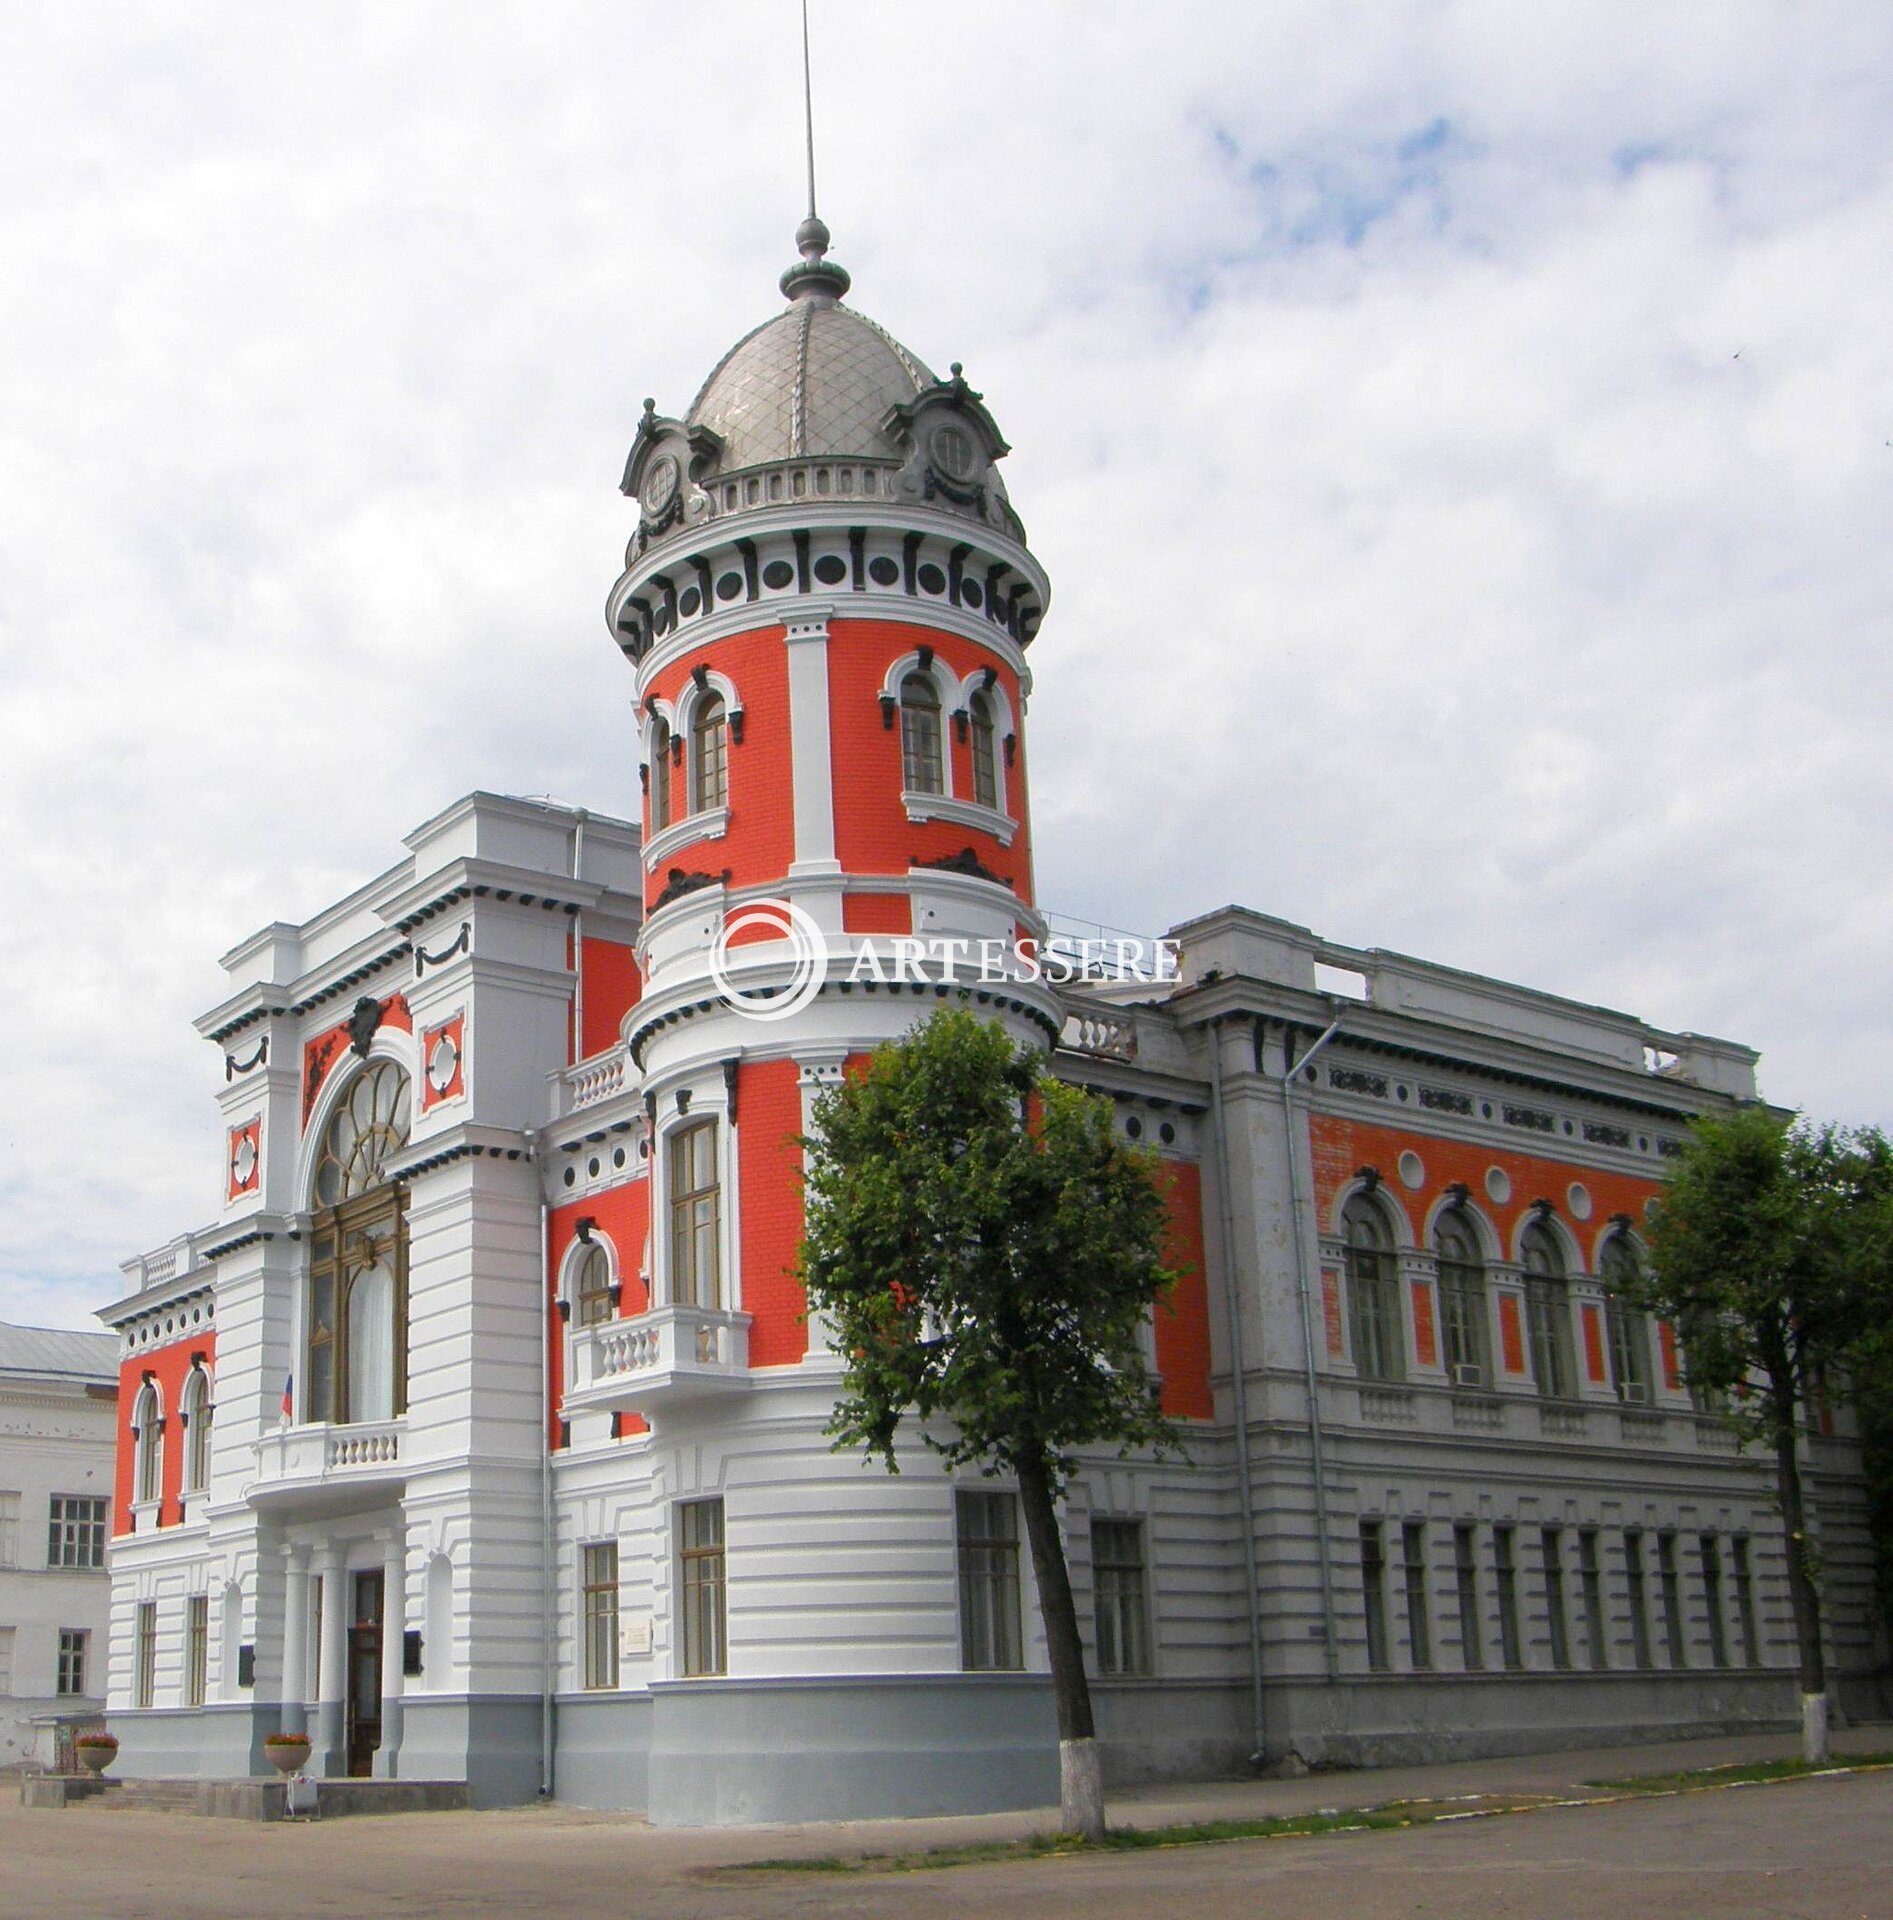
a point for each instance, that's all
(591, 1081)
(320, 1458)
(668, 1355)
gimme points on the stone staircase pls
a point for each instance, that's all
(253, 1799)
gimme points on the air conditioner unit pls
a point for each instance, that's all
(1633, 1393)
(1468, 1373)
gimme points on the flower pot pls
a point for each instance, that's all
(287, 1755)
(95, 1755)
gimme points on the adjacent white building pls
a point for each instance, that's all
(58, 1429)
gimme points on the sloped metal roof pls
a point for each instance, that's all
(54, 1353)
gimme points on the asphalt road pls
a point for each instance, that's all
(1819, 1849)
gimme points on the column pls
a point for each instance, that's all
(329, 1755)
(394, 1580)
(295, 1689)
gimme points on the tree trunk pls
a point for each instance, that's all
(1081, 1786)
(1804, 1594)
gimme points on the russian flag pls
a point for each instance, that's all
(289, 1395)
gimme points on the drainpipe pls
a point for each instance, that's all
(1300, 1195)
(578, 941)
(548, 1585)
(1239, 1395)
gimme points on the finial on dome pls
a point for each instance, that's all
(813, 276)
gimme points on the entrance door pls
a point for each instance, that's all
(364, 1674)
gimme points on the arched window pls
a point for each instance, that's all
(660, 773)
(1462, 1307)
(1548, 1313)
(196, 1411)
(922, 769)
(147, 1426)
(1373, 1292)
(985, 763)
(695, 1217)
(591, 1287)
(709, 755)
(356, 1338)
(1629, 1326)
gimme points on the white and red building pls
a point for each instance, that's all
(518, 1474)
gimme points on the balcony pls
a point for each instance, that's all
(661, 1359)
(329, 1468)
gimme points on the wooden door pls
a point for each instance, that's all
(364, 1674)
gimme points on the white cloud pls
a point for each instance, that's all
(1458, 434)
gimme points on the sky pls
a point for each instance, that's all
(1460, 436)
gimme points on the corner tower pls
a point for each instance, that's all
(828, 600)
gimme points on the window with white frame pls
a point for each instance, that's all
(591, 1286)
(985, 760)
(660, 783)
(1548, 1313)
(196, 1412)
(1628, 1326)
(923, 765)
(1120, 1596)
(987, 1526)
(1373, 1292)
(598, 1592)
(695, 1216)
(1462, 1299)
(9, 1529)
(147, 1426)
(75, 1530)
(196, 1648)
(6, 1662)
(709, 754)
(702, 1577)
(145, 1654)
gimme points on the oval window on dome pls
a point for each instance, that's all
(952, 451)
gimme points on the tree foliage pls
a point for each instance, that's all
(986, 1252)
(985, 1249)
(1763, 1257)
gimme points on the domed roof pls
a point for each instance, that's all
(815, 380)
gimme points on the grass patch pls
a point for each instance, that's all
(1740, 1773)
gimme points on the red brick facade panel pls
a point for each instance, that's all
(1511, 1335)
(876, 913)
(872, 832)
(321, 1053)
(759, 842)
(1425, 1345)
(612, 988)
(769, 1119)
(170, 1366)
(1182, 1319)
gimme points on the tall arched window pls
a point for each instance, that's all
(356, 1342)
(196, 1411)
(1462, 1307)
(1629, 1326)
(985, 763)
(695, 1217)
(1548, 1313)
(709, 755)
(922, 768)
(591, 1287)
(1373, 1292)
(660, 773)
(147, 1426)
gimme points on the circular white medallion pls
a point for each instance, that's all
(243, 1161)
(443, 1062)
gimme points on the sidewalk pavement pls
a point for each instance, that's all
(1174, 1803)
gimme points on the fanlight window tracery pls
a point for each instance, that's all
(369, 1126)
(356, 1333)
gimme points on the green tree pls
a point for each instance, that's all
(986, 1251)
(1758, 1257)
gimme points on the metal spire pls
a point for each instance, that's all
(808, 111)
(812, 275)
